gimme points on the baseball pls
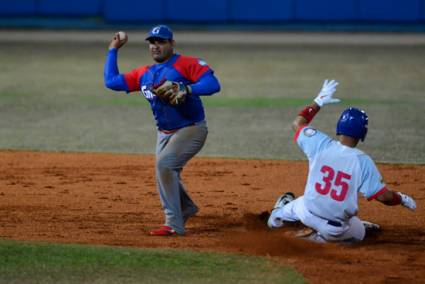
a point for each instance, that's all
(121, 35)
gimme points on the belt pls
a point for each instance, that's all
(169, 131)
(334, 223)
(330, 222)
(174, 130)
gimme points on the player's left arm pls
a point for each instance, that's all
(325, 96)
(372, 187)
(207, 84)
(201, 78)
(392, 198)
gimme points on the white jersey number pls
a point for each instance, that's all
(330, 181)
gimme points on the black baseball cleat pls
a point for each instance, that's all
(284, 199)
(369, 226)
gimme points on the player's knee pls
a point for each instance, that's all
(162, 166)
(166, 163)
(357, 229)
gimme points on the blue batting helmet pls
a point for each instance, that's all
(353, 123)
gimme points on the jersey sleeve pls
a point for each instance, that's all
(112, 77)
(207, 85)
(311, 141)
(191, 68)
(132, 78)
(371, 183)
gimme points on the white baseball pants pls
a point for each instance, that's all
(327, 231)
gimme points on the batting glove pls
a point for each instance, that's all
(326, 93)
(407, 201)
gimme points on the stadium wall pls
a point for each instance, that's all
(222, 11)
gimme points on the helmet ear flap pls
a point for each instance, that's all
(364, 135)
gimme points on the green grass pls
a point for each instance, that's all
(52, 97)
(52, 263)
(236, 102)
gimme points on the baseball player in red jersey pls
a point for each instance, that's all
(338, 171)
(173, 86)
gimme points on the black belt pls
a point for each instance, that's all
(330, 222)
(175, 130)
(334, 223)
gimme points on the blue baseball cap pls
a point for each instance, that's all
(161, 31)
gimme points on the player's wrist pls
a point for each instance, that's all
(318, 101)
(309, 112)
(394, 200)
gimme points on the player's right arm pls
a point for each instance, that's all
(302, 120)
(308, 138)
(324, 97)
(112, 77)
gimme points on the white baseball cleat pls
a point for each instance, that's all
(277, 222)
(284, 199)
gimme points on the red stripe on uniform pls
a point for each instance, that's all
(379, 193)
(298, 133)
(190, 68)
(132, 78)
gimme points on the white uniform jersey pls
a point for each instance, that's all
(336, 174)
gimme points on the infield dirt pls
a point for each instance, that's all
(111, 199)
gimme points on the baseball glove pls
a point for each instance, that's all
(172, 92)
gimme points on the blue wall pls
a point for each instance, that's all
(197, 10)
(324, 10)
(50, 7)
(131, 10)
(223, 11)
(68, 8)
(407, 10)
(261, 10)
(18, 7)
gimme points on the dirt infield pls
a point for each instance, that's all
(111, 199)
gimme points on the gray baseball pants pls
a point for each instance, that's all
(173, 151)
